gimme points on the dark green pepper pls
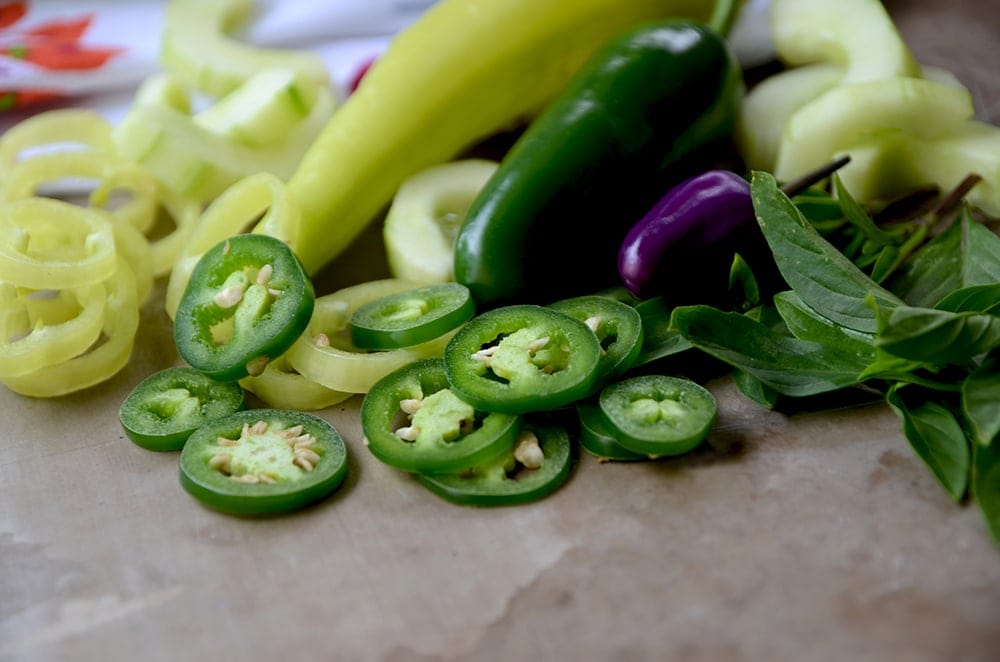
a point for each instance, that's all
(650, 108)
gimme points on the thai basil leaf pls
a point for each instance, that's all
(986, 485)
(973, 299)
(965, 254)
(938, 337)
(937, 438)
(806, 324)
(658, 338)
(820, 208)
(786, 364)
(857, 216)
(825, 279)
(892, 257)
(743, 284)
(981, 403)
(754, 389)
(889, 367)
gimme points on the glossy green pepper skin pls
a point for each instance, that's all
(647, 109)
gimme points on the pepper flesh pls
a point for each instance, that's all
(464, 71)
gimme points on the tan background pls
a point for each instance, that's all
(809, 536)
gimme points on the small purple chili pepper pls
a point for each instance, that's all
(687, 240)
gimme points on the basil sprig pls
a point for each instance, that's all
(916, 320)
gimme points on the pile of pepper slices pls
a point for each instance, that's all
(530, 298)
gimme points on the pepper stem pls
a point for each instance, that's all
(724, 15)
(814, 176)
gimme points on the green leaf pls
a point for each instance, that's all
(825, 279)
(986, 485)
(742, 283)
(973, 299)
(857, 216)
(820, 209)
(659, 340)
(754, 389)
(891, 258)
(938, 337)
(806, 324)
(981, 404)
(786, 364)
(964, 255)
(937, 438)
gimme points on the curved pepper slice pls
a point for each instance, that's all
(326, 355)
(855, 35)
(423, 219)
(247, 301)
(198, 49)
(893, 163)
(851, 114)
(66, 126)
(26, 178)
(283, 387)
(768, 105)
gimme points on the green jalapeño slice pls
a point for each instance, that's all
(414, 422)
(263, 461)
(597, 439)
(522, 358)
(247, 301)
(411, 317)
(658, 415)
(617, 325)
(164, 409)
(539, 463)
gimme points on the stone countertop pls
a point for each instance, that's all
(791, 536)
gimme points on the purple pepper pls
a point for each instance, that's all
(684, 246)
(688, 226)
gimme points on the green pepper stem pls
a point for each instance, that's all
(724, 15)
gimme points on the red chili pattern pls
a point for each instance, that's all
(54, 45)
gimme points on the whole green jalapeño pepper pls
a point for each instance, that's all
(652, 106)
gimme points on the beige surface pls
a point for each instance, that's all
(792, 537)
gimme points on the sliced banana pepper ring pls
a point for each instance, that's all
(39, 328)
(50, 244)
(324, 353)
(109, 354)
